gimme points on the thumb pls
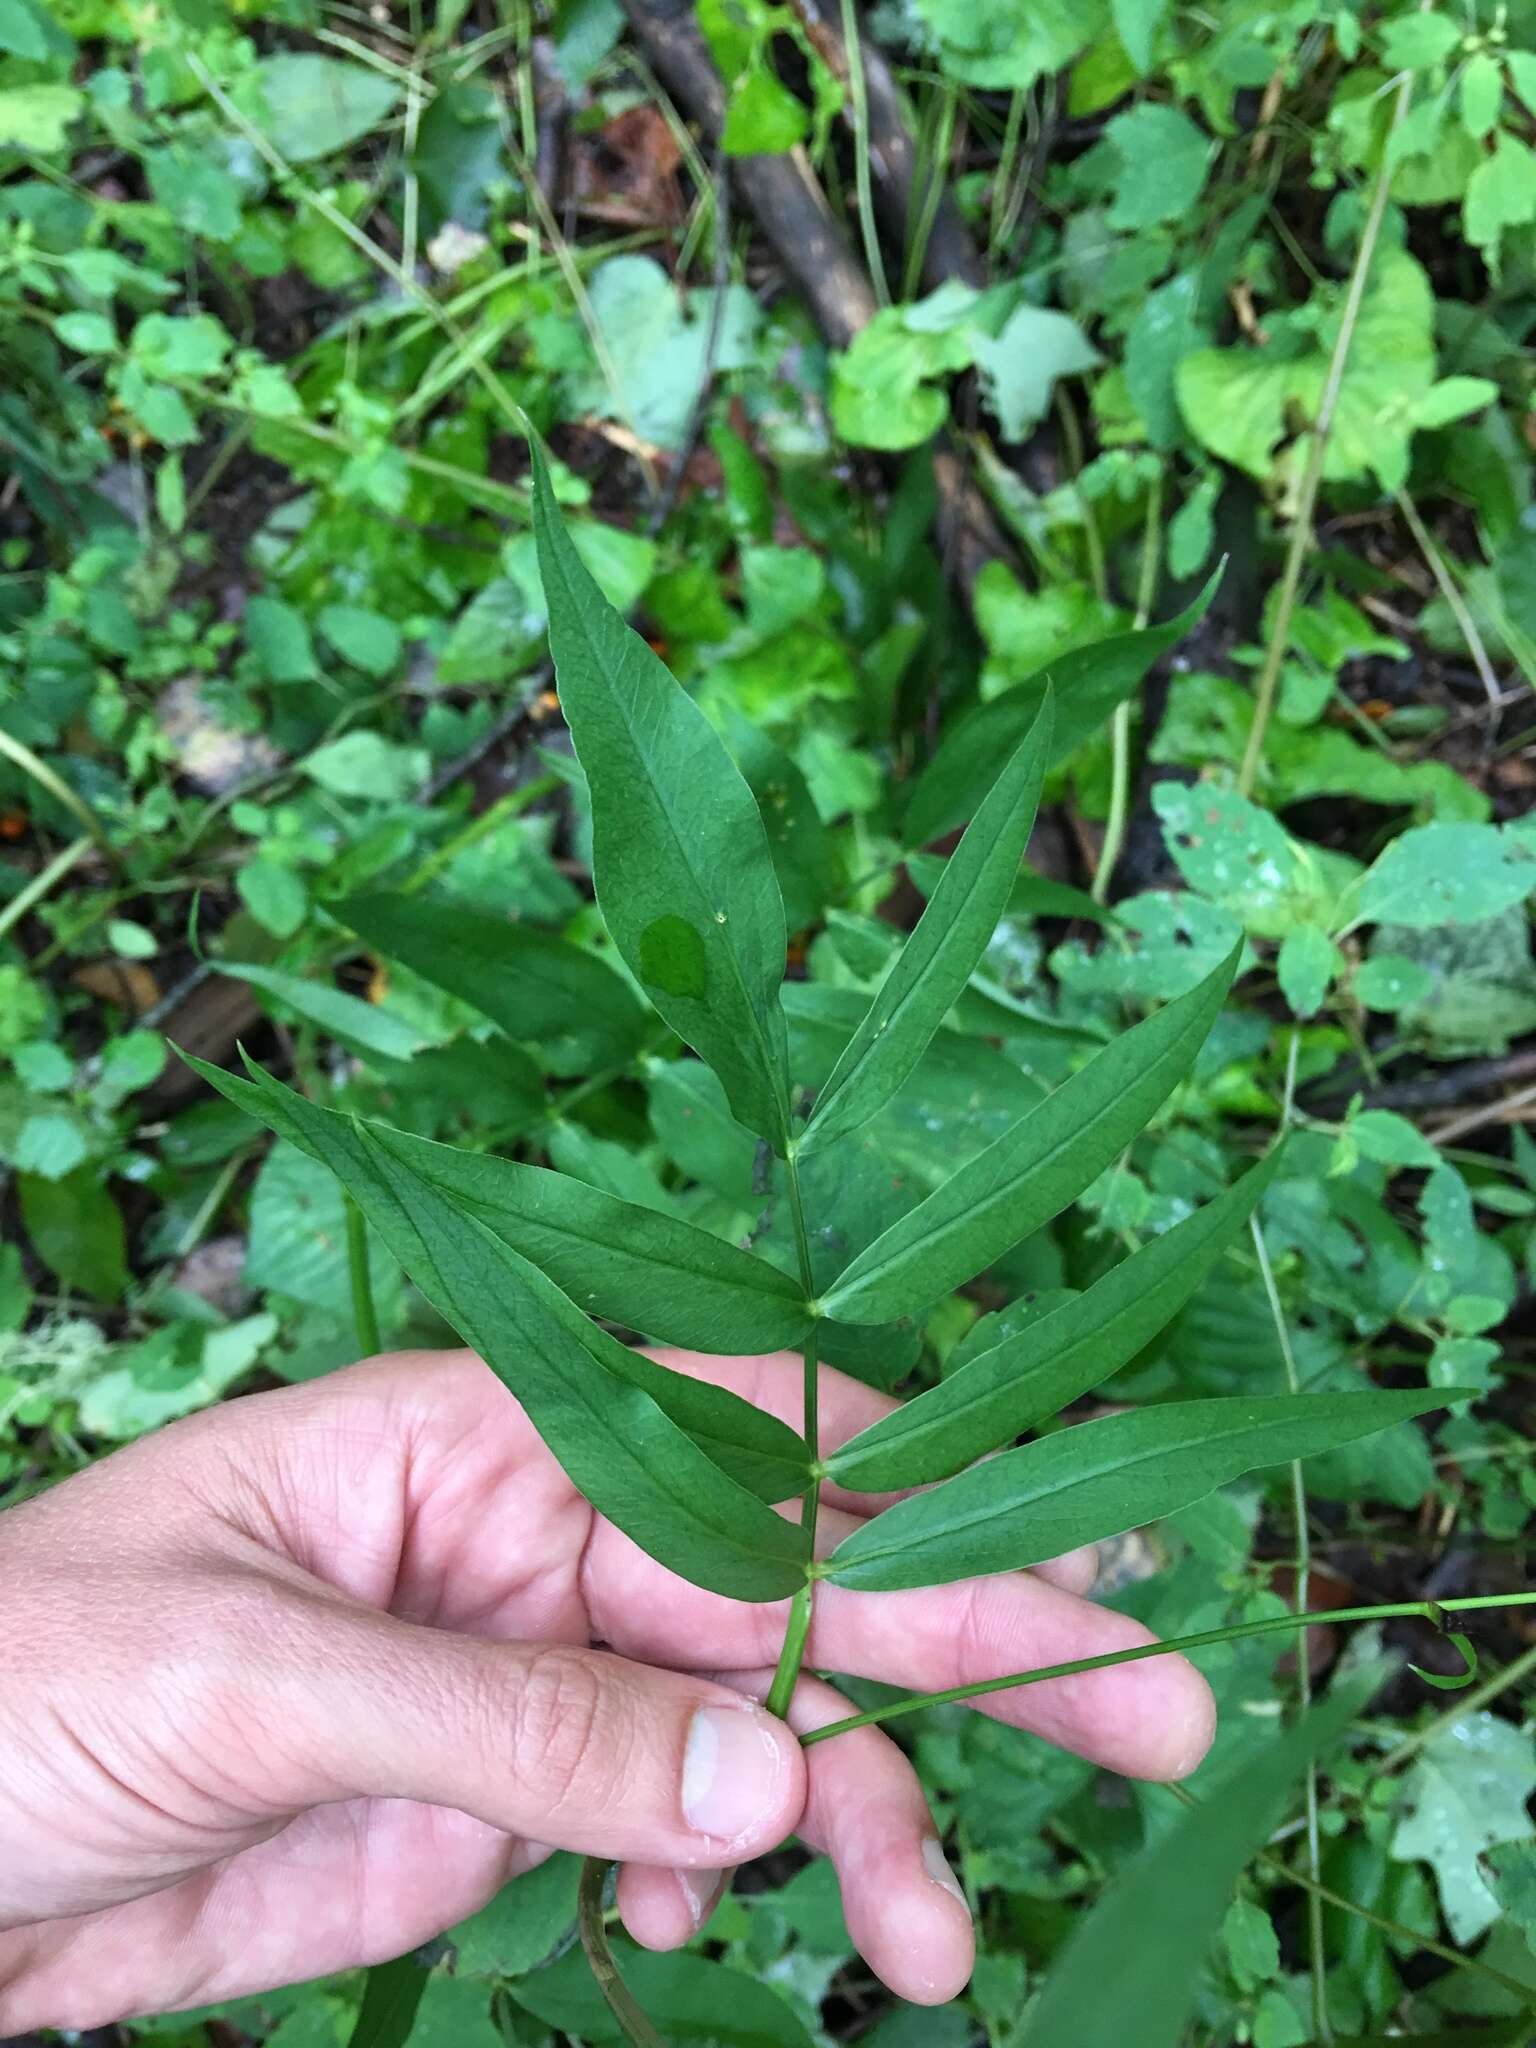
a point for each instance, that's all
(573, 1747)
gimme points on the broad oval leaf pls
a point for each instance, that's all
(680, 859)
(1030, 1377)
(648, 1447)
(1100, 1479)
(533, 986)
(1089, 682)
(1131, 1968)
(1030, 1174)
(937, 961)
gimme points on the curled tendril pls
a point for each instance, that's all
(1457, 1680)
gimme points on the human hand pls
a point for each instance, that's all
(298, 1683)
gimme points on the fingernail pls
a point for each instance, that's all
(936, 1863)
(701, 1891)
(733, 1772)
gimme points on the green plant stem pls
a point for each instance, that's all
(921, 228)
(1276, 1624)
(1325, 1897)
(1312, 476)
(1317, 1960)
(1468, 1703)
(787, 1673)
(364, 1316)
(1451, 592)
(1003, 176)
(404, 280)
(1120, 762)
(792, 1654)
(21, 754)
(1093, 540)
(35, 890)
(863, 186)
(592, 1927)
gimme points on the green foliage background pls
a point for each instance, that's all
(278, 284)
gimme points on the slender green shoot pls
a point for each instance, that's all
(792, 1654)
(1317, 1961)
(863, 185)
(1120, 759)
(1276, 1624)
(591, 1924)
(1312, 476)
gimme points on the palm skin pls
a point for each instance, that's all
(298, 1683)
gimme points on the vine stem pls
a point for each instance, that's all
(1275, 1624)
(1451, 592)
(1317, 1961)
(1470, 1703)
(590, 1924)
(1312, 476)
(1325, 1897)
(35, 890)
(1120, 761)
(798, 1628)
(364, 1315)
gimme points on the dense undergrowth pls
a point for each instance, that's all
(1180, 358)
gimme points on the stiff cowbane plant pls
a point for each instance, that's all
(520, 1259)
